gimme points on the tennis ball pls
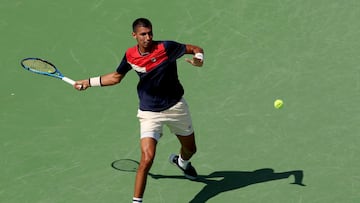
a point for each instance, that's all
(278, 103)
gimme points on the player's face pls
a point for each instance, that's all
(143, 36)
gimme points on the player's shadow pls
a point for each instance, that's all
(223, 181)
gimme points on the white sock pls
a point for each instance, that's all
(182, 163)
(137, 200)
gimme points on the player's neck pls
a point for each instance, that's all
(144, 51)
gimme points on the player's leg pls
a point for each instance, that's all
(151, 130)
(188, 146)
(148, 150)
(187, 150)
(180, 123)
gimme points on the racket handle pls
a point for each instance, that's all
(68, 80)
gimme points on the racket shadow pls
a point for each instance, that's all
(223, 181)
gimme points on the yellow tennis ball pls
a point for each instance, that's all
(278, 103)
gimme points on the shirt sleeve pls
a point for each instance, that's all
(174, 49)
(124, 66)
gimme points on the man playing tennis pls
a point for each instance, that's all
(161, 97)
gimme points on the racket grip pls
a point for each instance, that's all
(68, 80)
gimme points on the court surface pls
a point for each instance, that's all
(57, 144)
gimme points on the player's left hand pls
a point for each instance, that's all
(195, 61)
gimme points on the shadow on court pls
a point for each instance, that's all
(223, 181)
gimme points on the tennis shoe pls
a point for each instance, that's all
(189, 171)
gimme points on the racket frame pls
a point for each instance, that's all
(56, 74)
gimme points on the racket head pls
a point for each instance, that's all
(40, 66)
(128, 165)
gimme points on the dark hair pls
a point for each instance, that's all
(141, 22)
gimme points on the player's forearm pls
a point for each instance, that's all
(111, 79)
(192, 49)
(105, 80)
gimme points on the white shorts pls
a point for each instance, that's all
(177, 118)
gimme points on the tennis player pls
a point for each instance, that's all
(161, 97)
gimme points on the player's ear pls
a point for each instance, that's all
(133, 35)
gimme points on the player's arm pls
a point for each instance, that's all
(198, 52)
(104, 80)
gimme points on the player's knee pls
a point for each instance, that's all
(146, 161)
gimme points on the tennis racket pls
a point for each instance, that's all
(127, 165)
(43, 67)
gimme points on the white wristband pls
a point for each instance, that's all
(95, 81)
(199, 56)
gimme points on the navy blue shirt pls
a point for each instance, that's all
(159, 87)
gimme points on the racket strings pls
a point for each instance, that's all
(39, 65)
